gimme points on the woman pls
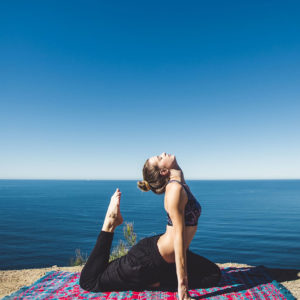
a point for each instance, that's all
(162, 261)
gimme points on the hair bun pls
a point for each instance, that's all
(143, 185)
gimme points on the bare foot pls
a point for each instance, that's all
(113, 216)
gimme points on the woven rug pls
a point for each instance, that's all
(236, 283)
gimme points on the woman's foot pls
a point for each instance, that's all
(113, 216)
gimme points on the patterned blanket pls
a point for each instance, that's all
(236, 283)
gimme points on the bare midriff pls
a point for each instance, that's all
(165, 243)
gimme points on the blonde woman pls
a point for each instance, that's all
(163, 261)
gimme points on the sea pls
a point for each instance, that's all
(44, 222)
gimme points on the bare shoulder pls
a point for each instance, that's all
(175, 195)
(174, 186)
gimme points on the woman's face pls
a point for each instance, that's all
(163, 160)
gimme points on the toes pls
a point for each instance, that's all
(117, 192)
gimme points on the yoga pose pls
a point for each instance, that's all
(163, 261)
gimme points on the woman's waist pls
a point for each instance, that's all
(189, 233)
(165, 243)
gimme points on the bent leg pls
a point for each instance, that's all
(99, 257)
(97, 261)
(202, 273)
(136, 270)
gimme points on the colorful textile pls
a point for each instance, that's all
(236, 283)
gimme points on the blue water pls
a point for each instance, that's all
(248, 221)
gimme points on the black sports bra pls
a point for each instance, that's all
(192, 209)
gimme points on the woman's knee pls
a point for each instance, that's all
(85, 282)
(214, 277)
(210, 278)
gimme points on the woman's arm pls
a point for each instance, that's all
(176, 211)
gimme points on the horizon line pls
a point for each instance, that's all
(131, 179)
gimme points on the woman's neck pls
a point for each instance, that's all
(177, 174)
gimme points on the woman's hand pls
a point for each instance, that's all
(183, 293)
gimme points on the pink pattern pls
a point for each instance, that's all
(236, 283)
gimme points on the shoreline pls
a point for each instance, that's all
(13, 280)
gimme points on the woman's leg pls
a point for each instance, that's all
(99, 257)
(202, 273)
(97, 261)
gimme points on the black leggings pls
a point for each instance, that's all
(140, 267)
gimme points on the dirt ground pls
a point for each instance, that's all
(12, 280)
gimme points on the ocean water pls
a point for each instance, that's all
(255, 222)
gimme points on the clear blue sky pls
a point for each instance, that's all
(90, 89)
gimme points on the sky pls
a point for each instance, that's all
(91, 89)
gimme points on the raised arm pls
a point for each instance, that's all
(176, 205)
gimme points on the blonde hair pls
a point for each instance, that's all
(144, 186)
(153, 180)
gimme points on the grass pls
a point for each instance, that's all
(120, 250)
(79, 258)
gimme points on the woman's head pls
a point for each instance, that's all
(156, 173)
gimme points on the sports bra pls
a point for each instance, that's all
(192, 209)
